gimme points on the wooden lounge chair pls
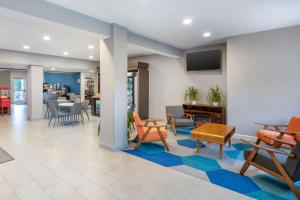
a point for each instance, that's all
(273, 134)
(150, 131)
(280, 163)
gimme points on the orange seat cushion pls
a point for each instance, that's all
(261, 134)
(153, 134)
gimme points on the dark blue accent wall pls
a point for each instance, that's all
(69, 79)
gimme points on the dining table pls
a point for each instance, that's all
(65, 106)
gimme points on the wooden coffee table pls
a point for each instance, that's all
(213, 133)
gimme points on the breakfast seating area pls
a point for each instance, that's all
(64, 112)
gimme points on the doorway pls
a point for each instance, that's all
(19, 91)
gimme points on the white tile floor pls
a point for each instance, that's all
(66, 163)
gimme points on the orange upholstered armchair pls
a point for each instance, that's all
(278, 137)
(150, 131)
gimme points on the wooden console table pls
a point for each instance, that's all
(216, 113)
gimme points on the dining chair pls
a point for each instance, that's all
(76, 113)
(48, 103)
(55, 114)
(85, 107)
(99, 129)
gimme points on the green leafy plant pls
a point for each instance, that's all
(191, 94)
(130, 121)
(215, 95)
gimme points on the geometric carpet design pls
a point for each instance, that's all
(224, 173)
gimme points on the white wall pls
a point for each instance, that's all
(169, 79)
(263, 78)
(5, 78)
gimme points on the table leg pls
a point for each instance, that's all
(229, 142)
(197, 146)
(221, 151)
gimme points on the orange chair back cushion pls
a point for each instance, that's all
(294, 126)
(138, 123)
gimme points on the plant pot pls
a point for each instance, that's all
(194, 102)
(216, 104)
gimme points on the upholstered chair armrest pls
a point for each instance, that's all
(277, 127)
(153, 120)
(280, 142)
(189, 116)
(169, 115)
(170, 119)
(289, 132)
(157, 126)
(268, 149)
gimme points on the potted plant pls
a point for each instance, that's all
(191, 95)
(215, 96)
(130, 126)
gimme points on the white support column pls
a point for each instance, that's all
(35, 92)
(82, 86)
(113, 83)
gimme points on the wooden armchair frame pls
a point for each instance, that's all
(283, 175)
(171, 120)
(149, 127)
(277, 141)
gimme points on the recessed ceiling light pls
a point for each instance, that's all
(91, 47)
(53, 68)
(47, 38)
(91, 71)
(206, 34)
(66, 53)
(26, 47)
(187, 21)
(91, 57)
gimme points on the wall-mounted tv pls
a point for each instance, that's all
(204, 60)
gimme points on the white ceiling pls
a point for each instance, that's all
(162, 19)
(15, 33)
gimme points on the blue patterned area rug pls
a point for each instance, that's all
(224, 173)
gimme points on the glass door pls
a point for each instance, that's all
(19, 91)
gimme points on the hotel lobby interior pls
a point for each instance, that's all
(147, 99)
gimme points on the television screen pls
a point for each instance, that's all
(204, 60)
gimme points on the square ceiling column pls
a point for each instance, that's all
(113, 89)
(35, 92)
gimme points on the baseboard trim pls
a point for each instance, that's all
(113, 148)
(242, 136)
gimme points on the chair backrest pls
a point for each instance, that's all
(138, 124)
(76, 109)
(292, 165)
(52, 101)
(294, 126)
(175, 111)
(53, 110)
(85, 105)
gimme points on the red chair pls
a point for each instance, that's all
(276, 137)
(5, 105)
(150, 133)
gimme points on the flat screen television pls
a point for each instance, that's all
(204, 60)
